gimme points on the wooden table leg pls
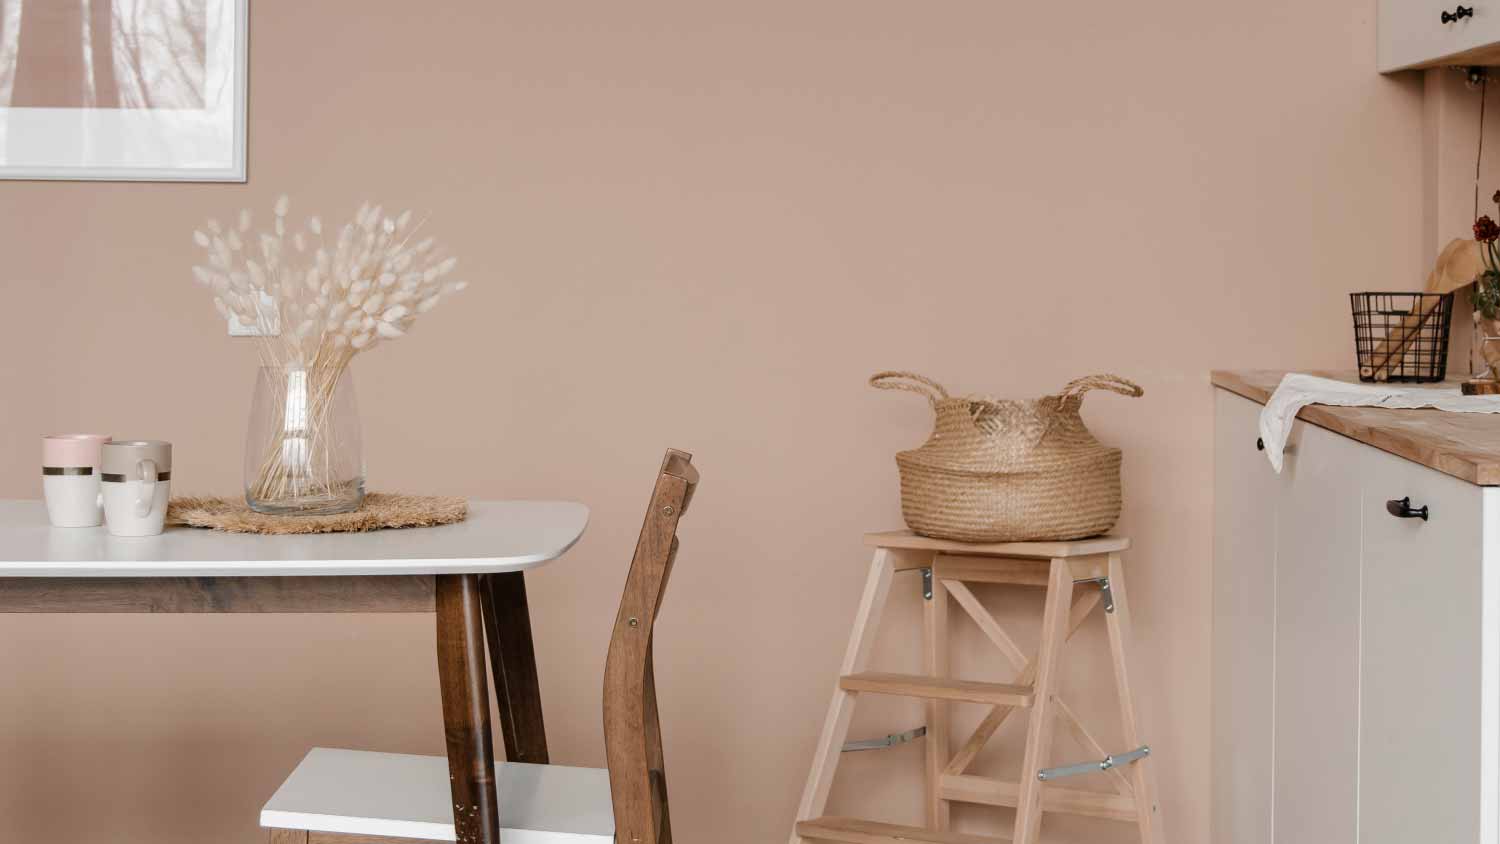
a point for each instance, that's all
(507, 621)
(466, 709)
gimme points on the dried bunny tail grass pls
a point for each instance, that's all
(318, 301)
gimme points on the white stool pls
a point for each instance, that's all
(336, 793)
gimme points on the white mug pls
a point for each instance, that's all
(70, 479)
(137, 483)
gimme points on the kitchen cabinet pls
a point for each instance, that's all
(1356, 653)
(1423, 658)
(1244, 584)
(1315, 745)
(1433, 33)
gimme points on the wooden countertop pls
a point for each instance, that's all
(1464, 445)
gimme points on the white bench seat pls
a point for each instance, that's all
(397, 795)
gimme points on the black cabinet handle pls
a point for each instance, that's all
(1458, 14)
(1260, 444)
(1403, 510)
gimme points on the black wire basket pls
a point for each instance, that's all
(1401, 336)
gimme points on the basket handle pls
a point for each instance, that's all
(1113, 383)
(911, 382)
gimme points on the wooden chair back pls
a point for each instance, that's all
(632, 731)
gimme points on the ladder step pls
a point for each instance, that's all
(966, 788)
(854, 831)
(936, 688)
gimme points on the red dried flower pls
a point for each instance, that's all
(1485, 230)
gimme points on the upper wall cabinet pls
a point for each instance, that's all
(1431, 33)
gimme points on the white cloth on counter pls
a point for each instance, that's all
(1296, 391)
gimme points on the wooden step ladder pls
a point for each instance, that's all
(1078, 577)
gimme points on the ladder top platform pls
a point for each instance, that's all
(905, 539)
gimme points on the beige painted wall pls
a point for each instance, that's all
(703, 225)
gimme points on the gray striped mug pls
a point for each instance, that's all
(137, 481)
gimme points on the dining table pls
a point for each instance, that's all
(470, 575)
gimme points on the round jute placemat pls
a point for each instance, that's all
(381, 510)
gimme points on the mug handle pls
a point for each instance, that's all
(145, 494)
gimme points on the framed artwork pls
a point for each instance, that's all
(123, 89)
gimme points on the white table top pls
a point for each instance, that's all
(498, 536)
(391, 794)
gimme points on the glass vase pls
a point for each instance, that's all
(1487, 339)
(303, 448)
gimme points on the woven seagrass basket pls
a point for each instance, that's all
(998, 470)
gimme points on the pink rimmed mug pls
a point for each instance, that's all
(70, 479)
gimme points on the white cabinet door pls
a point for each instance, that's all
(1243, 633)
(1356, 672)
(1423, 773)
(1317, 639)
(1413, 33)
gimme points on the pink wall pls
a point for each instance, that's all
(703, 225)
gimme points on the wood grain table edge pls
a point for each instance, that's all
(1429, 449)
(332, 594)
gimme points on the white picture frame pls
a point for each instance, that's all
(201, 141)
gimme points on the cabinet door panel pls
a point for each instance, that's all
(1421, 659)
(1243, 633)
(1317, 640)
(1412, 32)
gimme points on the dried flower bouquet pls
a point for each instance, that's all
(314, 306)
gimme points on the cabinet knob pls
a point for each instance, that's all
(1402, 509)
(1458, 14)
(1260, 444)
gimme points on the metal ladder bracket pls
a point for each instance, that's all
(927, 583)
(1105, 764)
(882, 743)
(1108, 596)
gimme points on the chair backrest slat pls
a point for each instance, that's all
(632, 732)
